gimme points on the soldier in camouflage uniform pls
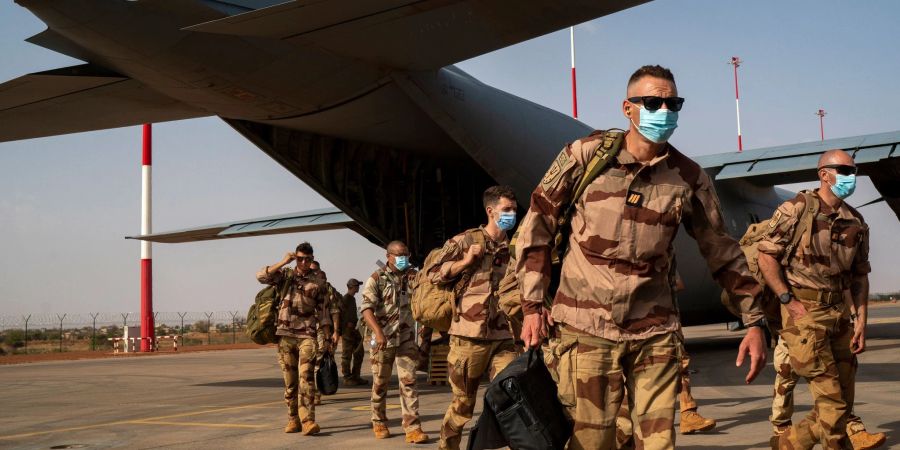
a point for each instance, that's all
(616, 299)
(300, 316)
(480, 337)
(829, 267)
(333, 309)
(783, 403)
(385, 308)
(352, 351)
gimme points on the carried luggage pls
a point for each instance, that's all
(264, 311)
(327, 377)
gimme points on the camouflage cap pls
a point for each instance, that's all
(353, 282)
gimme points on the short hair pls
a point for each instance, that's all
(394, 244)
(493, 194)
(304, 247)
(655, 71)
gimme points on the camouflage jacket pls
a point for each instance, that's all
(333, 304)
(303, 307)
(615, 281)
(479, 312)
(838, 246)
(387, 294)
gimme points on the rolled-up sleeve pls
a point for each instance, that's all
(370, 295)
(780, 228)
(724, 257)
(451, 252)
(264, 277)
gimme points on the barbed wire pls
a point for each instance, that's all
(163, 318)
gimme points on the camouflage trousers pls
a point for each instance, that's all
(624, 427)
(818, 347)
(596, 374)
(295, 356)
(406, 355)
(351, 353)
(786, 380)
(468, 360)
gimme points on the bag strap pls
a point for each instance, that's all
(466, 277)
(803, 231)
(606, 151)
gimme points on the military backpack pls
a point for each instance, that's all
(435, 305)
(264, 311)
(749, 242)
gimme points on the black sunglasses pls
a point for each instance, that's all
(842, 169)
(308, 259)
(652, 102)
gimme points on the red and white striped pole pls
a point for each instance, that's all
(147, 326)
(736, 62)
(574, 89)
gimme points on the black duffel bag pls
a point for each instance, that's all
(327, 376)
(521, 409)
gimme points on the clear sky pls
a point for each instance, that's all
(67, 201)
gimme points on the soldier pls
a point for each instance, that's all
(480, 337)
(351, 341)
(783, 404)
(821, 341)
(385, 308)
(333, 310)
(300, 316)
(615, 301)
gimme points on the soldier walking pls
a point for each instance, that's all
(351, 340)
(385, 308)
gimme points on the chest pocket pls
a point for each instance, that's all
(655, 219)
(845, 238)
(306, 302)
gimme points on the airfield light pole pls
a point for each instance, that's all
(148, 331)
(821, 113)
(736, 62)
(574, 89)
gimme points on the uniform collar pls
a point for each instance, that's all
(842, 211)
(625, 157)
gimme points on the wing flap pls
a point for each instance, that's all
(414, 35)
(315, 220)
(81, 98)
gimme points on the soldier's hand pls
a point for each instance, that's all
(335, 338)
(534, 329)
(795, 309)
(754, 345)
(858, 343)
(474, 252)
(380, 342)
(288, 257)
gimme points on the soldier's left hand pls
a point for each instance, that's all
(335, 338)
(754, 344)
(858, 343)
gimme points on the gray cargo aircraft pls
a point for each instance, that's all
(359, 99)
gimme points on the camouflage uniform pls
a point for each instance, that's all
(818, 344)
(387, 294)
(616, 296)
(351, 341)
(480, 335)
(300, 316)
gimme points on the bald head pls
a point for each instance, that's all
(835, 157)
(397, 248)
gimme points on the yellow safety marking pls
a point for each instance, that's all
(197, 424)
(369, 407)
(133, 421)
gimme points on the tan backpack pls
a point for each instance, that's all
(435, 305)
(749, 243)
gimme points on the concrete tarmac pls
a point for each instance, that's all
(233, 399)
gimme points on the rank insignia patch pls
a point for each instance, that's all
(634, 199)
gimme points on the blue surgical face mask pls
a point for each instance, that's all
(401, 262)
(507, 220)
(657, 126)
(843, 186)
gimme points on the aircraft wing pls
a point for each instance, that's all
(876, 155)
(314, 220)
(81, 98)
(412, 34)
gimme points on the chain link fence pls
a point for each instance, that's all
(37, 333)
